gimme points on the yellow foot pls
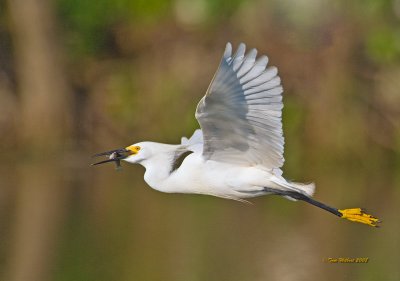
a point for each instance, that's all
(358, 215)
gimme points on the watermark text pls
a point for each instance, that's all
(346, 260)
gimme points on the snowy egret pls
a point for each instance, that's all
(238, 152)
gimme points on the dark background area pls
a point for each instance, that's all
(80, 77)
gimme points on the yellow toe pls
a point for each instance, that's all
(358, 215)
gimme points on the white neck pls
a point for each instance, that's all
(158, 168)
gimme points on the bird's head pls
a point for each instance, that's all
(138, 152)
(135, 153)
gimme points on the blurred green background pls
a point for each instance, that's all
(80, 77)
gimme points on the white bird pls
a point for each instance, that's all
(238, 152)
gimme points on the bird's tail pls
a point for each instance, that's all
(306, 188)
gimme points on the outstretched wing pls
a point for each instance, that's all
(240, 115)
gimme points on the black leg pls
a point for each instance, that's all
(353, 214)
(302, 197)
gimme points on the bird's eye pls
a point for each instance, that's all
(137, 148)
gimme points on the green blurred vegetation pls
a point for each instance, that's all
(78, 77)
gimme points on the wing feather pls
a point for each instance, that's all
(240, 115)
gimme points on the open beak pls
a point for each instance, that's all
(113, 156)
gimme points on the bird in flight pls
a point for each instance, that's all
(238, 152)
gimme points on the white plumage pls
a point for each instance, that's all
(239, 150)
(240, 115)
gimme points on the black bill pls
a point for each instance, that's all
(113, 156)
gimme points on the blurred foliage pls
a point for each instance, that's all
(88, 23)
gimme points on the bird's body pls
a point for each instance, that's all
(238, 152)
(200, 176)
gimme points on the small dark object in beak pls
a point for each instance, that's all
(113, 156)
(108, 153)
